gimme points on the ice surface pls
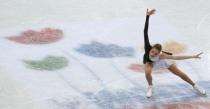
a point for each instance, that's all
(101, 39)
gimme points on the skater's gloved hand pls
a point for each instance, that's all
(198, 55)
(150, 12)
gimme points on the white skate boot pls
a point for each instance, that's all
(149, 91)
(199, 89)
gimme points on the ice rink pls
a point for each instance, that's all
(80, 54)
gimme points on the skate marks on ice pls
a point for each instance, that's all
(177, 95)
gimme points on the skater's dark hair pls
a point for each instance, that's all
(158, 47)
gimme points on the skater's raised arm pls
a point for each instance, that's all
(147, 45)
(165, 56)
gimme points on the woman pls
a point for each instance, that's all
(155, 58)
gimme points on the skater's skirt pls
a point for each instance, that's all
(162, 64)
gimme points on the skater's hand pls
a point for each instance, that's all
(150, 12)
(198, 55)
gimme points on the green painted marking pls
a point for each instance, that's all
(49, 63)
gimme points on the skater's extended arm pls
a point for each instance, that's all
(165, 56)
(147, 45)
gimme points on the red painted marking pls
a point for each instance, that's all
(189, 105)
(150, 107)
(170, 106)
(203, 104)
(45, 36)
(136, 67)
(140, 68)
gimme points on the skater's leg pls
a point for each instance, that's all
(148, 72)
(179, 73)
(182, 75)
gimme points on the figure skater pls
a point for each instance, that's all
(155, 58)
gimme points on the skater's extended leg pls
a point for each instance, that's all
(182, 75)
(179, 73)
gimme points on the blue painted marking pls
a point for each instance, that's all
(97, 49)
